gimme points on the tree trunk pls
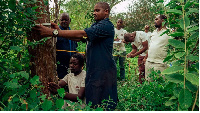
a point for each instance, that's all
(56, 11)
(43, 56)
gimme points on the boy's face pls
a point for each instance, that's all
(119, 23)
(74, 65)
(99, 13)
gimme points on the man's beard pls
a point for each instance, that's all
(157, 26)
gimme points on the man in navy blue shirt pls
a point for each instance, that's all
(63, 57)
(101, 72)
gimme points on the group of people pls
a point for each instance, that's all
(99, 81)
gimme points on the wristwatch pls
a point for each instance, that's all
(55, 32)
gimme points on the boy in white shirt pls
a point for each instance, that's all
(119, 47)
(75, 80)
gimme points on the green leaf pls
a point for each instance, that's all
(188, 4)
(171, 101)
(179, 54)
(175, 78)
(168, 58)
(61, 92)
(176, 91)
(47, 104)
(12, 75)
(43, 97)
(194, 35)
(176, 34)
(33, 93)
(192, 58)
(194, 79)
(177, 63)
(193, 28)
(99, 109)
(193, 10)
(175, 11)
(59, 103)
(15, 48)
(12, 4)
(197, 65)
(35, 80)
(34, 8)
(172, 69)
(190, 86)
(176, 43)
(185, 99)
(24, 74)
(187, 21)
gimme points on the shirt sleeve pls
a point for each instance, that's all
(83, 80)
(97, 31)
(66, 78)
(143, 37)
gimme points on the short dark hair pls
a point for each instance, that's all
(163, 17)
(79, 57)
(127, 36)
(104, 5)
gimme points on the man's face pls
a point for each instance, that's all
(74, 65)
(146, 27)
(119, 23)
(158, 21)
(132, 37)
(64, 21)
(99, 13)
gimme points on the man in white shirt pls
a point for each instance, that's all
(140, 45)
(157, 51)
(119, 50)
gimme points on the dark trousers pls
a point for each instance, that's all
(141, 69)
(121, 58)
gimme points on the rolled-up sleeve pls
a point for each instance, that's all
(97, 31)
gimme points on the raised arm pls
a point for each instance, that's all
(76, 35)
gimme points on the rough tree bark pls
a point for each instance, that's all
(43, 60)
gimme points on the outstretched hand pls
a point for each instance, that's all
(45, 31)
(53, 87)
(54, 26)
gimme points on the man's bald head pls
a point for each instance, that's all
(104, 5)
(64, 20)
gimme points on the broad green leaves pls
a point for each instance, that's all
(59, 103)
(194, 79)
(35, 80)
(175, 78)
(17, 48)
(185, 99)
(184, 23)
(176, 43)
(172, 69)
(61, 92)
(47, 104)
(175, 11)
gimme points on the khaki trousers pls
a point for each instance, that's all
(155, 66)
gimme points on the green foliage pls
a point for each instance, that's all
(182, 17)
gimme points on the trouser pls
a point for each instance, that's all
(141, 69)
(121, 58)
(155, 66)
